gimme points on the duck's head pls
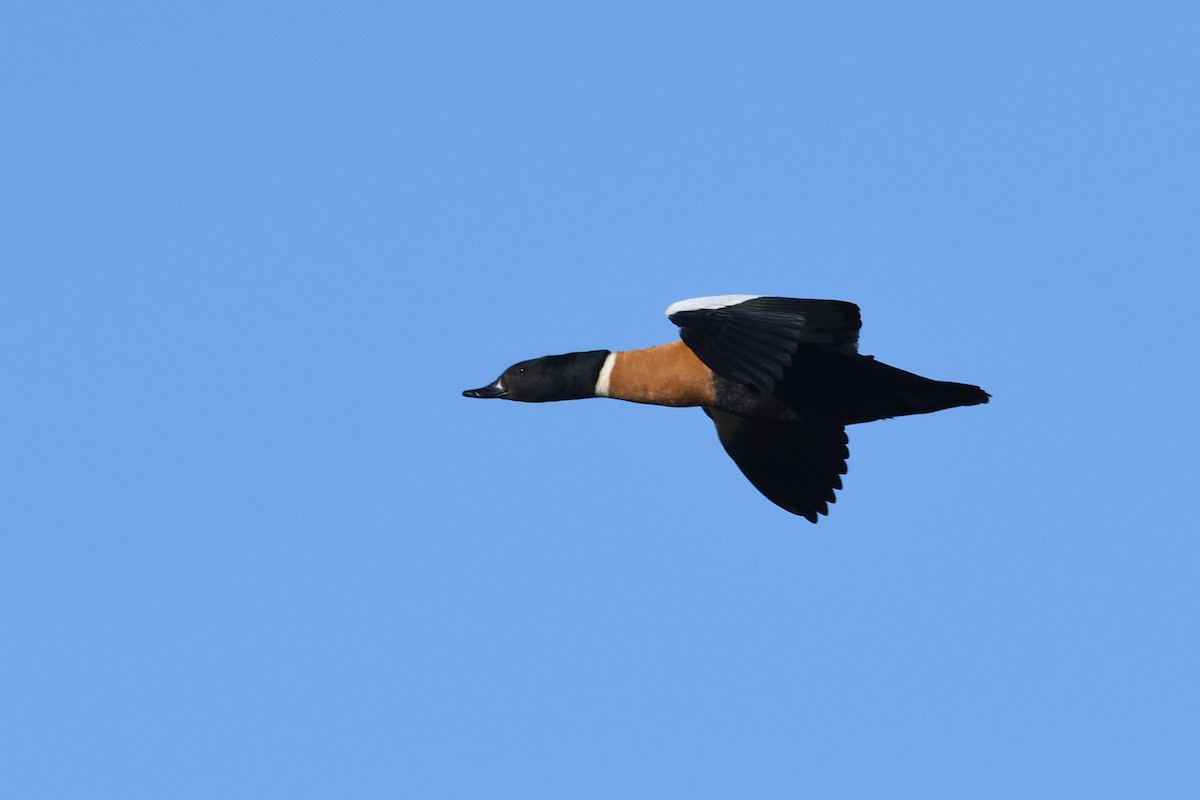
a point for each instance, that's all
(567, 377)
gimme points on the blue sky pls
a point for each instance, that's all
(256, 544)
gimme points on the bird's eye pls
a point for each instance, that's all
(520, 370)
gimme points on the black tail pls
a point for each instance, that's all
(924, 396)
(832, 387)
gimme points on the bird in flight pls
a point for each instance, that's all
(781, 378)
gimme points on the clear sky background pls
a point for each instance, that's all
(256, 544)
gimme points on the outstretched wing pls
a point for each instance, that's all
(796, 465)
(750, 339)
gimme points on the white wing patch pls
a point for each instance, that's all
(709, 303)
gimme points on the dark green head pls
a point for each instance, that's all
(568, 377)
